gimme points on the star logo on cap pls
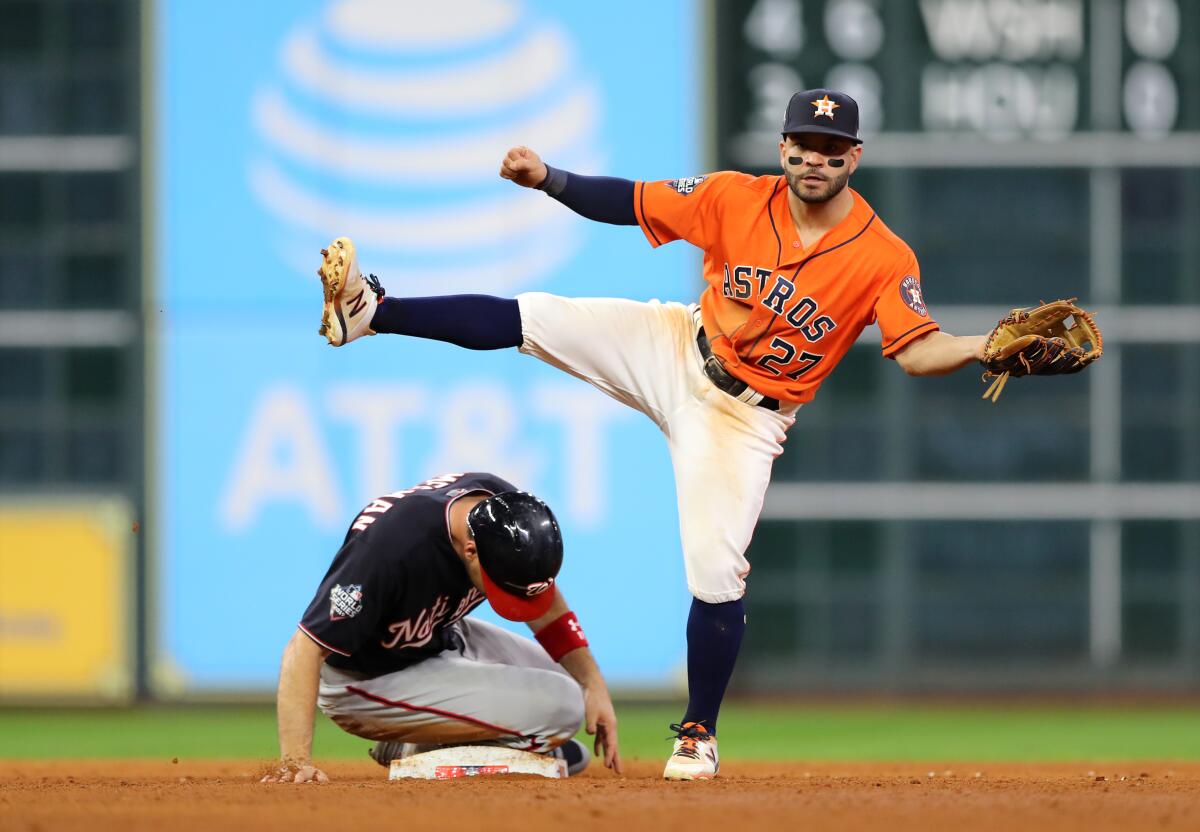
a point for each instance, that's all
(825, 107)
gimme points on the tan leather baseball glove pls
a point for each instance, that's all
(1049, 340)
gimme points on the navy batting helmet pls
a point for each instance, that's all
(520, 552)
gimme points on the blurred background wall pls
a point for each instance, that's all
(72, 404)
(180, 452)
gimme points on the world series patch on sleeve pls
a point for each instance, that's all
(1053, 339)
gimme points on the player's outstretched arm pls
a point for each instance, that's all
(601, 198)
(940, 353)
(600, 717)
(299, 678)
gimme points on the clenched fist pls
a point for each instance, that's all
(524, 167)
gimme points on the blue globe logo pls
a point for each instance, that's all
(387, 121)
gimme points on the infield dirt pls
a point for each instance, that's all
(124, 795)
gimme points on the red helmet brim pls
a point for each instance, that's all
(515, 607)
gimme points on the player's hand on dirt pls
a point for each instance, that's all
(523, 166)
(601, 721)
(296, 773)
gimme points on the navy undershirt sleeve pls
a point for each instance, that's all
(600, 198)
(481, 322)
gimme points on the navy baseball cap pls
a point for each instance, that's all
(822, 111)
(520, 552)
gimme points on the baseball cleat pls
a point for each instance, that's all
(575, 754)
(350, 298)
(695, 755)
(384, 752)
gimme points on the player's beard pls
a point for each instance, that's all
(833, 186)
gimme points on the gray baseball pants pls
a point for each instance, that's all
(497, 689)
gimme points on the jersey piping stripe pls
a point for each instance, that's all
(408, 706)
(812, 257)
(642, 211)
(329, 647)
(900, 338)
(804, 263)
(771, 217)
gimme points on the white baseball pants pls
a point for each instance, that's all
(645, 355)
(499, 689)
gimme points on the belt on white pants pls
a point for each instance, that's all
(723, 381)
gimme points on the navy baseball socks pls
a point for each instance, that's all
(477, 322)
(714, 636)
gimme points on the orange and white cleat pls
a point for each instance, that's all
(350, 298)
(695, 755)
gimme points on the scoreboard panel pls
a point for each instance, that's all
(965, 82)
(1036, 133)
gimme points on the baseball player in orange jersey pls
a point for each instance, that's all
(796, 265)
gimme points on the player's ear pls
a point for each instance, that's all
(783, 155)
(855, 156)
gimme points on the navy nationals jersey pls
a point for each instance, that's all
(397, 585)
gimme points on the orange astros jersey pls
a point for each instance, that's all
(779, 315)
